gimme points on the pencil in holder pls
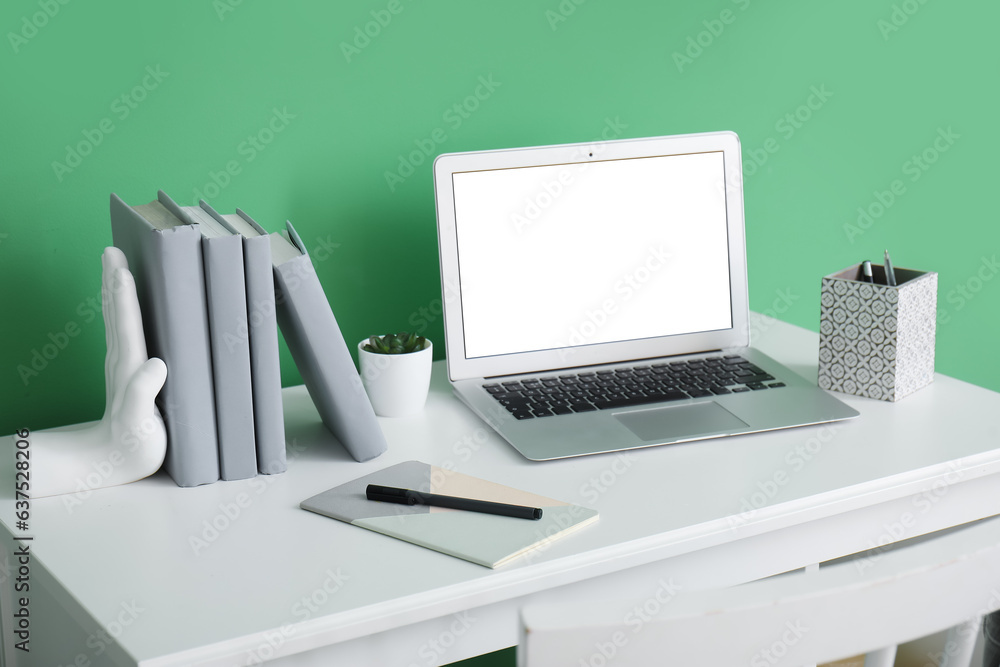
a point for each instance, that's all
(877, 340)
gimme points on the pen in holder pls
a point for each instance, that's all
(877, 340)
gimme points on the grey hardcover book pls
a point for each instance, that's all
(225, 289)
(319, 350)
(165, 258)
(265, 364)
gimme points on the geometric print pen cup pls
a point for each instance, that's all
(877, 340)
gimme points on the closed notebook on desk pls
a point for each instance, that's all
(485, 539)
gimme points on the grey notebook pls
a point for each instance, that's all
(164, 256)
(319, 350)
(485, 539)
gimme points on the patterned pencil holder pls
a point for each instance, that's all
(874, 340)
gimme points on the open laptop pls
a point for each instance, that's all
(595, 297)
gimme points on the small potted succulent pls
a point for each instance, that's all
(396, 372)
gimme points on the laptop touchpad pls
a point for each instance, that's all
(680, 421)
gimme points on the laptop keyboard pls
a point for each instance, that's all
(624, 387)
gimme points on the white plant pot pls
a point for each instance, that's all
(396, 384)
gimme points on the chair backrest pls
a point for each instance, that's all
(802, 618)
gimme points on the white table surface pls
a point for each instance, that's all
(279, 582)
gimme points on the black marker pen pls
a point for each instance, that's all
(391, 494)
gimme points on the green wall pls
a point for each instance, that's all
(291, 111)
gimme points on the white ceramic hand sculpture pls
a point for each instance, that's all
(129, 442)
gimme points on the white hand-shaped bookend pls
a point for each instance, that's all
(129, 442)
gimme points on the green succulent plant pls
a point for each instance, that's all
(401, 343)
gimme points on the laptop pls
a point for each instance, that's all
(595, 297)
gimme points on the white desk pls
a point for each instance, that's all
(271, 581)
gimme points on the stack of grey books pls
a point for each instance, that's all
(213, 290)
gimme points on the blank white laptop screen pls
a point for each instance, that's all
(566, 255)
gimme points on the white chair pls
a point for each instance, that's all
(862, 606)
